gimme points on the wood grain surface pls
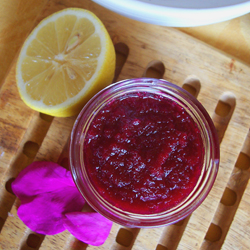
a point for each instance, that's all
(232, 37)
(218, 80)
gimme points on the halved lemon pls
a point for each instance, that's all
(65, 60)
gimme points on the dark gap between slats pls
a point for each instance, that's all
(223, 113)
(126, 237)
(8, 185)
(30, 149)
(1, 223)
(229, 197)
(46, 118)
(243, 161)
(161, 247)
(155, 69)
(34, 240)
(214, 233)
(76, 244)
(122, 52)
(192, 84)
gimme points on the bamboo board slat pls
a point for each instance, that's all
(222, 86)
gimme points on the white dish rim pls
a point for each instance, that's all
(172, 16)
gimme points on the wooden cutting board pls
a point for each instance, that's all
(219, 82)
(232, 36)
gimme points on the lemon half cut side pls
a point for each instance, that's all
(66, 59)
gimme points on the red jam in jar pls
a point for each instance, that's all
(144, 153)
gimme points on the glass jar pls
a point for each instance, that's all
(193, 108)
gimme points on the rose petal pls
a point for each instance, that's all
(46, 191)
(44, 214)
(89, 227)
(40, 177)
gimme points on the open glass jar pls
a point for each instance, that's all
(136, 193)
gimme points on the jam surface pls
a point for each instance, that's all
(143, 153)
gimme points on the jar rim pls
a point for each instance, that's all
(209, 169)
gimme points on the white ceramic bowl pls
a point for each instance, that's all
(178, 13)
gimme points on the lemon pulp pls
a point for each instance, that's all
(67, 58)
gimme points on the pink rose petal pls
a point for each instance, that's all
(89, 227)
(40, 177)
(44, 213)
(46, 191)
